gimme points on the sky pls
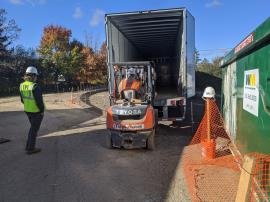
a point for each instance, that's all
(220, 24)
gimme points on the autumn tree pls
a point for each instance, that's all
(58, 54)
(94, 69)
(85, 74)
(102, 63)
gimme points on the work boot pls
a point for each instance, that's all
(33, 151)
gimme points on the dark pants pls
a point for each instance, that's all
(35, 121)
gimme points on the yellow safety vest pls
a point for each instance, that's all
(26, 89)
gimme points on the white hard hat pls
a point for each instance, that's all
(131, 71)
(31, 70)
(209, 92)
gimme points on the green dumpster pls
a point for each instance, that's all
(246, 91)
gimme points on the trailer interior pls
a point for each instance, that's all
(150, 36)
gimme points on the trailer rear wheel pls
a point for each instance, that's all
(150, 143)
(109, 140)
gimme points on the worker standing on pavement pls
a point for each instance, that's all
(31, 97)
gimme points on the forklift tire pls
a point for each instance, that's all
(150, 143)
(109, 140)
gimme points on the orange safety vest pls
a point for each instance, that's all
(129, 85)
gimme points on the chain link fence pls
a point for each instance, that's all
(6, 90)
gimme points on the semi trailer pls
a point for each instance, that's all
(166, 37)
(163, 38)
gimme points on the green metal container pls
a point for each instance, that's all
(246, 91)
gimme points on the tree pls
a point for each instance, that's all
(86, 73)
(8, 33)
(197, 56)
(76, 58)
(20, 59)
(102, 56)
(58, 54)
(53, 50)
(211, 68)
(94, 70)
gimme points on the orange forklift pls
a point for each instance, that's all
(131, 118)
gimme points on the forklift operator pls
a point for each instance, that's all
(131, 82)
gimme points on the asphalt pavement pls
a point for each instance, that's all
(75, 164)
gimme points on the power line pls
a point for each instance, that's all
(217, 49)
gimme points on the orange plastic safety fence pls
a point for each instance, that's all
(211, 172)
(215, 120)
(260, 183)
(216, 178)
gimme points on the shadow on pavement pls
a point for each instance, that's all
(100, 174)
(75, 164)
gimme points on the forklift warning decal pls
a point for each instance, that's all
(119, 126)
(251, 91)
